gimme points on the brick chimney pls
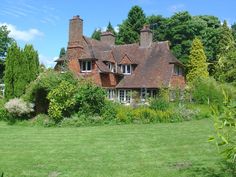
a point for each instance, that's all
(108, 37)
(75, 31)
(145, 37)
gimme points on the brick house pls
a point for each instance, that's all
(143, 67)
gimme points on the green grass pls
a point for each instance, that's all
(122, 150)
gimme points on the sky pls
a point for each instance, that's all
(44, 23)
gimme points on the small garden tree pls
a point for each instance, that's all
(197, 65)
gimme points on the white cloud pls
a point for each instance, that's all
(176, 7)
(47, 61)
(22, 35)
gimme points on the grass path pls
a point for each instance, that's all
(122, 150)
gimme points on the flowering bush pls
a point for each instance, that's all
(18, 107)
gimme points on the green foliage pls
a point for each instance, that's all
(96, 34)
(197, 64)
(32, 63)
(5, 42)
(90, 98)
(42, 120)
(225, 126)
(61, 100)
(144, 114)
(38, 90)
(159, 104)
(110, 28)
(22, 67)
(207, 91)
(62, 52)
(129, 30)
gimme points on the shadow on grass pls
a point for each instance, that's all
(222, 169)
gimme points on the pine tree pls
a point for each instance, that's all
(129, 30)
(62, 52)
(96, 34)
(110, 28)
(197, 61)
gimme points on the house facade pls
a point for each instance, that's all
(142, 67)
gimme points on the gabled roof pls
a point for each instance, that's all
(126, 60)
(153, 64)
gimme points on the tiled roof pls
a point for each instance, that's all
(152, 69)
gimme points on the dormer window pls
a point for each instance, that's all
(126, 69)
(112, 67)
(86, 66)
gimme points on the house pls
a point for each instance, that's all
(143, 67)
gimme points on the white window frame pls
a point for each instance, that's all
(111, 66)
(126, 95)
(88, 63)
(124, 69)
(111, 94)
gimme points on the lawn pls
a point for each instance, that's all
(123, 150)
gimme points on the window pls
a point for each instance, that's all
(126, 69)
(86, 66)
(111, 66)
(178, 70)
(125, 96)
(110, 94)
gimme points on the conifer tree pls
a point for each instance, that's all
(129, 30)
(197, 61)
(11, 71)
(32, 62)
(110, 28)
(96, 34)
(22, 67)
(62, 52)
(225, 50)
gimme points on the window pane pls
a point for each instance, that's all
(122, 96)
(89, 65)
(127, 96)
(128, 69)
(123, 68)
(83, 66)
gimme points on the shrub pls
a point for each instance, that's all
(124, 114)
(109, 110)
(19, 108)
(207, 91)
(90, 98)
(167, 116)
(184, 113)
(62, 100)
(38, 90)
(42, 120)
(144, 114)
(159, 104)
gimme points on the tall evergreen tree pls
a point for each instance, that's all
(32, 62)
(11, 71)
(62, 52)
(225, 46)
(226, 41)
(22, 67)
(129, 30)
(110, 28)
(96, 34)
(198, 61)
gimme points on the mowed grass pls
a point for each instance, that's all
(122, 150)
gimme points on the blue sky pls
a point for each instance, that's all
(44, 23)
